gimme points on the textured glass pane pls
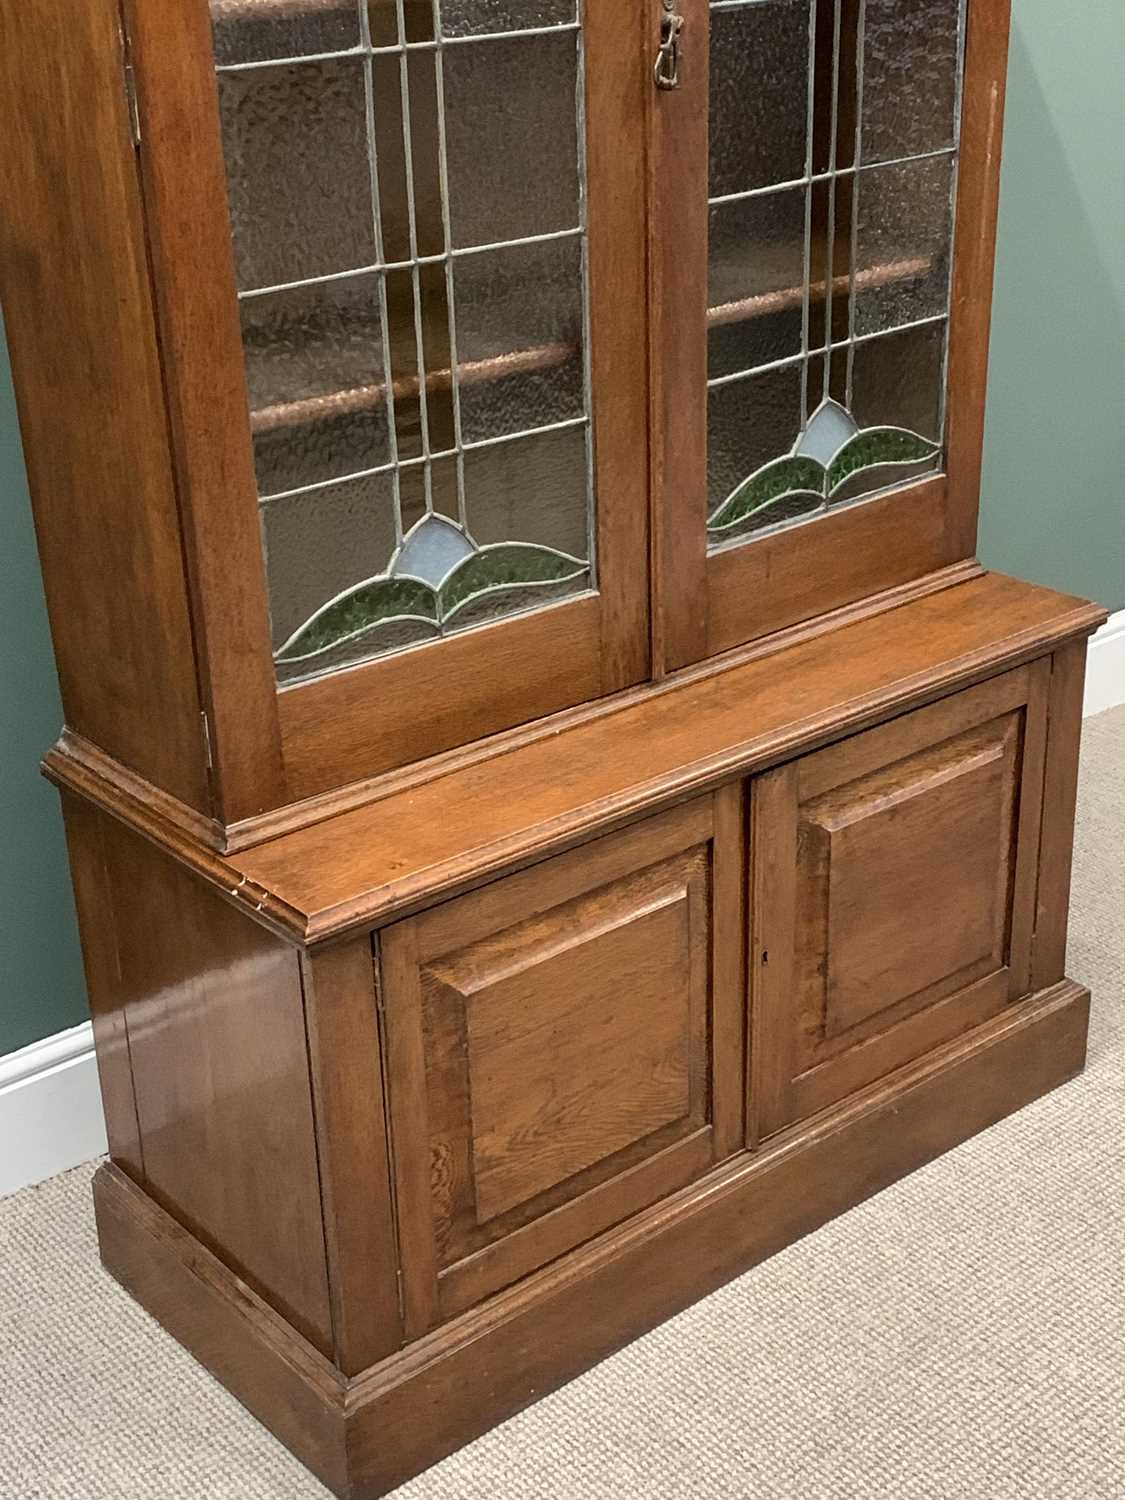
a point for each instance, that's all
(757, 271)
(749, 423)
(759, 95)
(896, 385)
(429, 224)
(315, 379)
(511, 133)
(443, 488)
(519, 337)
(300, 194)
(390, 153)
(395, 197)
(910, 61)
(904, 243)
(533, 489)
(253, 30)
(478, 17)
(418, 16)
(896, 380)
(323, 542)
(382, 21)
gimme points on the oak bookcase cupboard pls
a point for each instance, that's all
(556, 810)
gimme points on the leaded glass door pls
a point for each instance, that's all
(438, 253)
(827, 431)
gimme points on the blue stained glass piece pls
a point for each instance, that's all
(432, 550)
(831, 427)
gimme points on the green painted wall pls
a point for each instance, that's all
(1054, 476)
(1054, 473)
(41, 989)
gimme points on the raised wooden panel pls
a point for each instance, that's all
(554, 1052)
(913, 851)
(905, 877)
(559, 1087)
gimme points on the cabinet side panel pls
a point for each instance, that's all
(78, 314)
(92, 898)
(216, 1029)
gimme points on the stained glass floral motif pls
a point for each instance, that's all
(438, 581)
(830, 452)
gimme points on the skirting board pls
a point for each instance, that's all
(50, 1107)
(1105, 667)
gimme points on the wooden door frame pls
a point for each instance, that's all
(270, 747)
(708, 604)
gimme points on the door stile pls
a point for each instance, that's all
(189, 245)
(678, 312)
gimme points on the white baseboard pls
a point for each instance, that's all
(50, 1108)
(50, 1104)
(1105, 667)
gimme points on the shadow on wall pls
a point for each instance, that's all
(42, 985)
(1053, 500)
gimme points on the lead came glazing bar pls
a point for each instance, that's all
(450, 294)
(365, 50)
(830, 190)
(572, 424)
(807, 183)
(796, 182)
(383, 264)
(416, 287)
(858, 158)
(384, 320)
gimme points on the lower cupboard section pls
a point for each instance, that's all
(367, 1436)
(567, 1045)
(564, 1047)
(386, 1144)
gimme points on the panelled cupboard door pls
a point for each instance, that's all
(823, 270)
(430, 289)
(893, 900)
(565, 1046)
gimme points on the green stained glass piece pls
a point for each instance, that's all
(505, 566)
(875, 446)
(370, 603)
(785, 477)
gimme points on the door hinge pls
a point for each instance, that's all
(401, 1297)
(205, 727)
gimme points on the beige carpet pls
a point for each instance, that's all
(962, 1335)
